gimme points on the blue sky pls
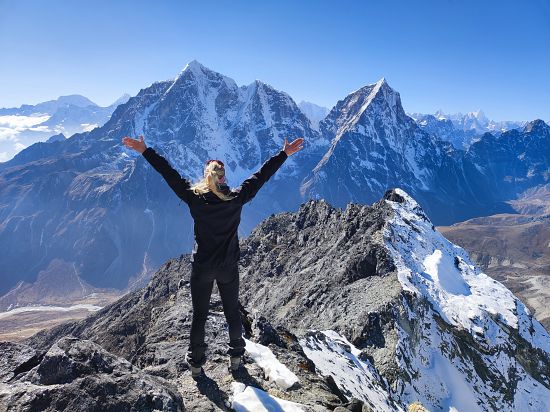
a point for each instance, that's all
(449, 55)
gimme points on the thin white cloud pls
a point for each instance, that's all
(40, 129)
(19, 146)
(4, 156)
(7, 134)
(86, 127)
(22, 122)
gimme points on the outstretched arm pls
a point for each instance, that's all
(178, 184)
(253, 184)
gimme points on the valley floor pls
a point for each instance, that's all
(513, 249)
(21, 322)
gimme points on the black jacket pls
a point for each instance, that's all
(216, 220)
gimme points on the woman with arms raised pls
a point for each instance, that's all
(216, 211)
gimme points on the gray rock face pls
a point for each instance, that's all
(16, 358)
(150, 328)
(323, 268)
(337, 277)
(77, 374)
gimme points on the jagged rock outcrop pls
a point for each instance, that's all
(413, 304)
(150, 328)
(325, 268)
(79, 375)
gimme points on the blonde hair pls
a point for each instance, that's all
(209, 183)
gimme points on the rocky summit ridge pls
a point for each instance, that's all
(366, 308)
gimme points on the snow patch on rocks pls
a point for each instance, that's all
(274, 370)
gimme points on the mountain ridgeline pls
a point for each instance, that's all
(462, 130)
(93, 203)
(35, 124)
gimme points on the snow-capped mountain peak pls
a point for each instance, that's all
(443, 272)
(196, 68)
(479, 115)
(371, 99)
(75, 100)
(491, 326)
(382, 81)
(203, 114)
(371, 124)
(202, 74)
(196, 65)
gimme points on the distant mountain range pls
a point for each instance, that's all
(28, 124)
(91, 202)
(313, 112)
(461, 129)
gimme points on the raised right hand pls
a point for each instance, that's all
(137, 145)
(291, 148)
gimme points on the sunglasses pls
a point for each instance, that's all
(215, 160)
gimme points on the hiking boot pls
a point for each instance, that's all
(196, 371)
(235, 362)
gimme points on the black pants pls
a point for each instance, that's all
(202, 282)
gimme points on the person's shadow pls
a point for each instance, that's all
(209, 388)
(242, 375)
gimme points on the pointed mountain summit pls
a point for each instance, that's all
(374, 146)
(196, 71)
(479, 115)
(537, 126)
(370, 100)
